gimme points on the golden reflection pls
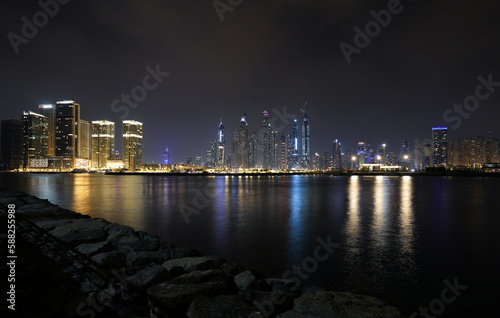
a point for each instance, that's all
(353, 221)
(380, 209)
(406, 215)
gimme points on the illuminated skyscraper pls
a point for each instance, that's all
(48, 110)
(283, 153)
(293, 145)
(306, 147)
(11, 144)
(67, 129)
(166, 157)
(252, 150)
(240, 145)
(266, 141)
(221, 146)
(85, 141)
(440, 146)
(103, 143)
(336, 155)
(132, 144)
(35, 137)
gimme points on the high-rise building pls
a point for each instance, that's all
(166, 157)
(67, 129)
(492, 151)
(48, 110)
(85, 132)
(252, 150)
(11, 144)
(274, 150)
(103, 143)
(283, 153)
(189, 161)
(198, 161)
(35, 137)
(440, 146)
(132, 144)
(404, 155)
(267, 146)
(221, 146)
(306, 145)
(293, 144)
(240, 146)
(336, 155)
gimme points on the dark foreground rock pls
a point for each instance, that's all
(77, 266)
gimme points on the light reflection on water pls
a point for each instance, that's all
(384, 224)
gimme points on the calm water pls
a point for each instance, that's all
(400, 237)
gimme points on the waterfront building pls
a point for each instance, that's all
(336, 155)
(306, 142)
(166, 157)
(132, 144)
(11, 144)
(67, 130)
(252, 150)
(440, 146)
(48, 110)
(283, 153)
(240, 144)
(103, 143)
(85, 132)
(221, 146)
(35, 137)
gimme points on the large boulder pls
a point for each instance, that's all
(322, 303)
(228, 306)
(245, 280)
(94, 248)
(110, 260)
(190, 264)
(148, 277)
(167, 299)
(52, 224)
(136, 258)
(81, 231)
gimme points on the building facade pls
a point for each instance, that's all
(103, 143)
(132, 144)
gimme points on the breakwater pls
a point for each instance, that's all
(71, 265)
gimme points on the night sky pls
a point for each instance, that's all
(263, 55)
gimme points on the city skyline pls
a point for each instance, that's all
(249, 148)
(413, 75)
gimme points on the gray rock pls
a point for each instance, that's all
(52, 224)
(222, 307)
(198, 277)
(285, 286)
(94, 248)
(131, 244)
(148, 277)
(81, 231)
(145, 257)
(110, 260)
(322, 303)
(190, 264)
(232, 269)
(169, 299)
(269, 303)
(181, 252)
(245, 280)
(293, 314)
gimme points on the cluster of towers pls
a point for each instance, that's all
(56, 138)
(262, 149)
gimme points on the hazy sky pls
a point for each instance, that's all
(262, 55)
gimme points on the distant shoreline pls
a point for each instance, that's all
(335, 173)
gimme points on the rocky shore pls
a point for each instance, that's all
(71, 265)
